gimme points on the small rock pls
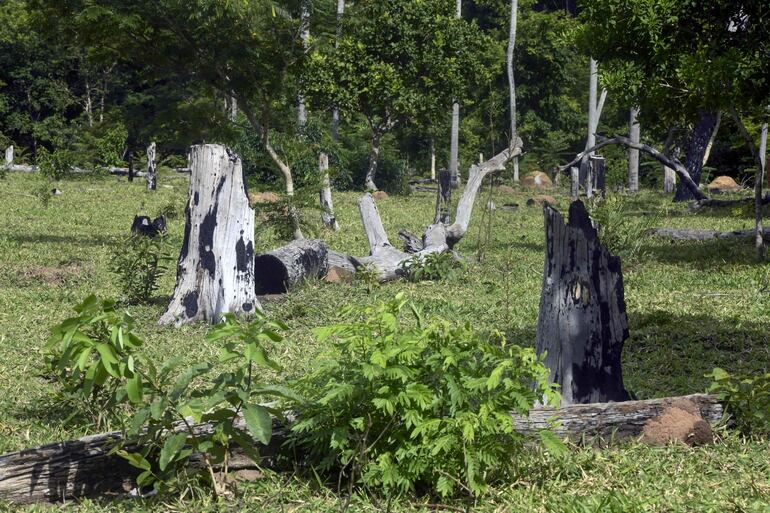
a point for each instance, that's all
(339, 275)
(537, 181)
(56, 192)
(722, 184)
(247, 475)
(380, 195)
(541, 200)
(506, 189)
(679, 422)
(263, 197)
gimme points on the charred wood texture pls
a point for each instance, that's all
(143, 225)
(215, 271)
(278, 271)
(582, 323)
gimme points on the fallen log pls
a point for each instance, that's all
(716, 203)
(281, 269)
(84, 467)
(690, 234)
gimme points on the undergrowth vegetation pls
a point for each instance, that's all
(692, 307)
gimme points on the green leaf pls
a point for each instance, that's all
(109, 358)
(258, 421)
(171, 448)
(135, 459)
(134, 388)
(552, 444)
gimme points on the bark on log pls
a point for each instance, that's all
(215, 272)
(83, 468)
(582, 323)
(278, 271)
(688, 234)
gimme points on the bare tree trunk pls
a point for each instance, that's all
(454, 142)
(582, 323)
(304, 22)
(9, 156)
(697, 142)
(130, 166)
(327, 205)
(574, 182)
(432, 159)
(713, 138)
(759, 178)
(633, 154)
(594, 113)
(512, 82)
(88, 105)
(215, 272)
(151, 168)
(335, 109)
(374, 160)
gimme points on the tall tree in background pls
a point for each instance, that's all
(246, 50)
(683, 62)
(398, 62)
(454, 142)
(512, 82)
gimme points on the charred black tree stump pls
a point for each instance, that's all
(582, 323)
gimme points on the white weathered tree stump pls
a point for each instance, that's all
(582, 323)
(215, 273)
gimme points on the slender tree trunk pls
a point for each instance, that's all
(454, 143)
(593, 84)
(9, 156)
(130, 166)
(697, 142)
(151, 168)
(327, 205)
(633, 154)
(512, 82)
(304, 22)
(432, 159)
(374, 160)
(215, 271)
(669, 175)
(89, 105)
(713, 138)
(335, 109)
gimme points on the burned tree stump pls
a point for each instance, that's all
(443, 197)
(215, 272)
(582, 323)
(143, 225)
(279, 270)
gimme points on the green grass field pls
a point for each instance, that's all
(691, 306)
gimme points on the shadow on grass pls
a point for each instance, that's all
(669, 354)
(85, 240)
(702, 254)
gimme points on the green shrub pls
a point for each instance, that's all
(95, 355)
(431, 267)
(622, 231)
(422, 408)
(747, 399)
(138, 262)
(55, 165)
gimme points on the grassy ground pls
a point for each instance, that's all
(692, 306)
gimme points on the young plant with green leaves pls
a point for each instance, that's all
(413, 405)
(747, 399)
(138, 262)
(176, 412)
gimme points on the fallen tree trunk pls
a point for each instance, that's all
(279, 270)
(716, 203)
(215, 271)
(689, 234)
(84, 467)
